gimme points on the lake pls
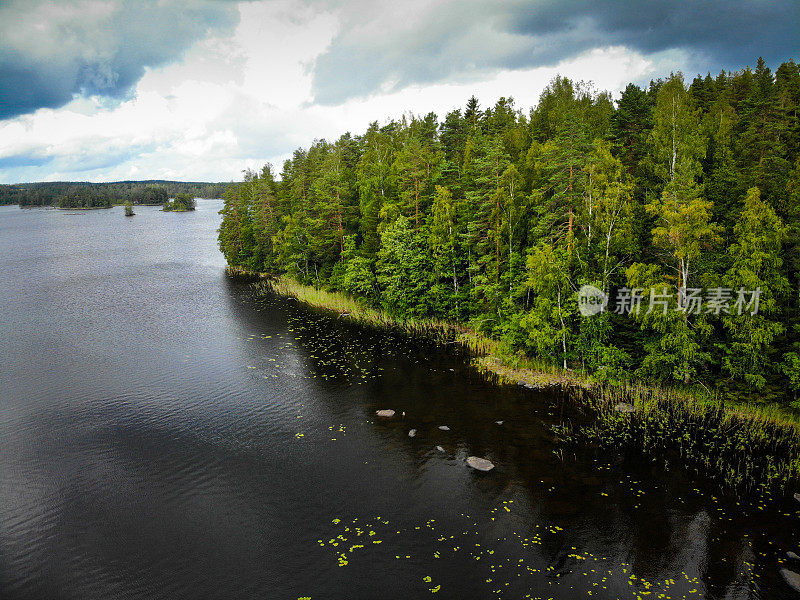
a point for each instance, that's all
(167, 433)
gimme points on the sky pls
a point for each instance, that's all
(109, 90)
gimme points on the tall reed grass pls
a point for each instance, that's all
(745, 448)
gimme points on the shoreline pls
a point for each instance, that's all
(83, 207)
(710, 434)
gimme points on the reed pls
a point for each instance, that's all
(745, 448)
(355, 310)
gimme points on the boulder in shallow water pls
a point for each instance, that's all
(480, 464)
(797, 497)
(624, 407)
(792, 555)
(444, 428)
(412, 433)
(387, 413)
(440, 449)
(792, 579)
(499, 422)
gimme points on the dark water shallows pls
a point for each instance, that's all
(166, 434)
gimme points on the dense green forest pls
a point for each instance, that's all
(683, 198)
(80, 194)
(83, 197)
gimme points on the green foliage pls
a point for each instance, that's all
(83, 197)
(181, 203)
(756, 265)
(496, 218)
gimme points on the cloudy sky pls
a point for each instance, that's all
(104, 90)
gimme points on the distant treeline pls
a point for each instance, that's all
(70, 194)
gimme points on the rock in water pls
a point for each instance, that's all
(444, 428)
(797, 497)
(792, 555)
(499, 422)
(440, 449)
(792, 579)
(480, 464)
(412, 433)
(624, 407)
(387, 413)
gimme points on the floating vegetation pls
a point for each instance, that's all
(512, 557)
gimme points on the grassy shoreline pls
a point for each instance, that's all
(745, 447)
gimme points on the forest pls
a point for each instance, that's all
(679, 201)
(82, 194)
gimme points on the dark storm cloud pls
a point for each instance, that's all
(466, 38)
(50, 51)
(730, 31)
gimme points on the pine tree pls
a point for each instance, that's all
(756, 269)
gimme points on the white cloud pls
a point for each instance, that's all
(236, 102)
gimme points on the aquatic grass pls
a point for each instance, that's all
(746, 449)
(243, 274)
(356, 311)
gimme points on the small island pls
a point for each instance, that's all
(181, 203)
(129, 208)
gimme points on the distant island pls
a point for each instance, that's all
(181, 203)
(84, 195)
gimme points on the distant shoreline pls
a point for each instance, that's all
(82, 207)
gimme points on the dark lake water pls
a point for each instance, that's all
(165, 433)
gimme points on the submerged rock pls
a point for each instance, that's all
(412, 433)
(792, 579)
(444, 428)
(797, 497)
(499, 422)
(792, 555)
(440, 449)
(480, 464)
(386, 412)
(624, 407)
